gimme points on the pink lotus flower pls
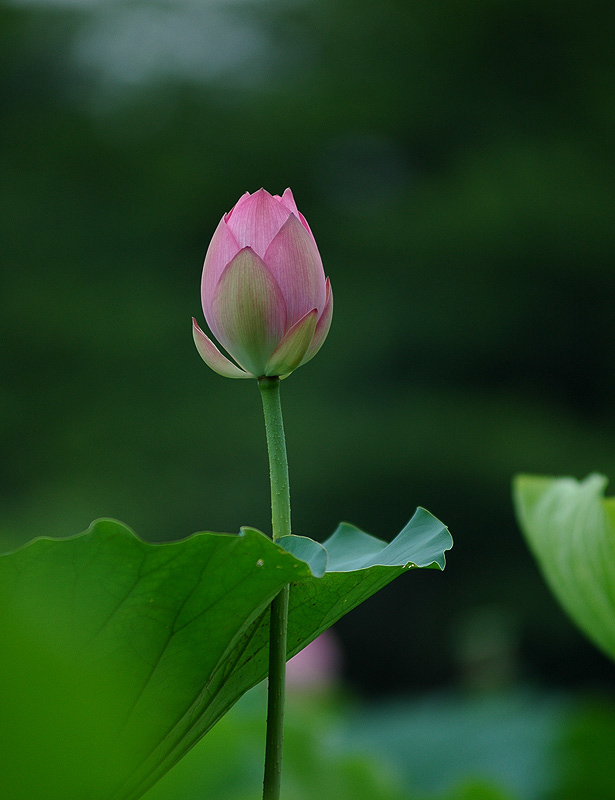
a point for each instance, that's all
(264, 293)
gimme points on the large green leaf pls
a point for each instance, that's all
(570, 528)
(118, 655)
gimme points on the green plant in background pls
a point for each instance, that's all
(570, 528)
(119, 655)
(318, 761)
(585, 752)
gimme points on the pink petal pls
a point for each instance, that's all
(222, 248)
(249, 312)
(289, 353)
(213, 357)
(304, 222)
(241, 200)
(294, 261)
(322, 327)
(289, 201)
(256, 219)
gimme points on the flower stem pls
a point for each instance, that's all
(280, 521)
(278, 465)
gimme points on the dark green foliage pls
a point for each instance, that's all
(455, 162)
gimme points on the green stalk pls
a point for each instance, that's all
(280, 521)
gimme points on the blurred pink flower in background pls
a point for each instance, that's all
(264, 292)
(317, 666)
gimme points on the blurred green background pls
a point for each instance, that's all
(455, 162)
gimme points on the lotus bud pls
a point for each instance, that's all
(264, 293)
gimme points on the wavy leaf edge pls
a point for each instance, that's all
(374, 552)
